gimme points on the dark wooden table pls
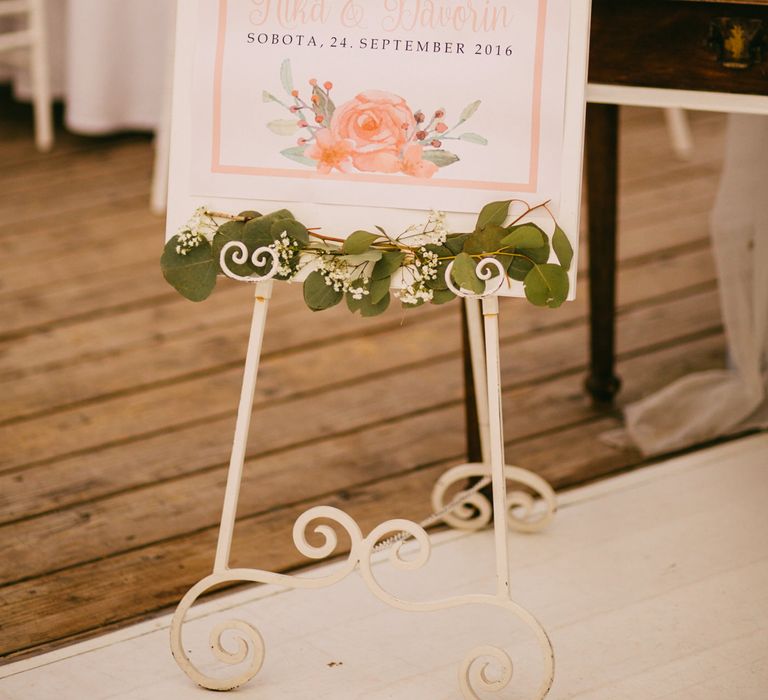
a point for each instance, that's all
(718, 47)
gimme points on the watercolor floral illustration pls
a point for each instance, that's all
(374, 132)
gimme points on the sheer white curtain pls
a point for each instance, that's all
(708, 404)
(109, 62)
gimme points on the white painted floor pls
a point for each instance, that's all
(652, 585)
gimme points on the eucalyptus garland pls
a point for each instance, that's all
(360, 268)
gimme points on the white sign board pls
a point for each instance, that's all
(355, 113)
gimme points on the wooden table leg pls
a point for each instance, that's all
(602, 191)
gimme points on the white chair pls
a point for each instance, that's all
(31, 39)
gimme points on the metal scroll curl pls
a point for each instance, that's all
(527, 511)
(486, 270)
(485, 669)
(238, 253)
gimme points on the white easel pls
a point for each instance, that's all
(527, 509)
(469, 510)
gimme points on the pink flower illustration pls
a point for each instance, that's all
(376, 132)
(379, 124)
(331, 152)
(414, 163)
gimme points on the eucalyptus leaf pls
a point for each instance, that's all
(269, 97)
(465, 274)
(192, 275)
(319, 295)
(442, 296)
(354, 305)
(369, 309)
(563, 248)
(487, 240)
(283, 127)
(469, 111)
(440, 157)
(547, 285)
(359, 242)
(372, 256)
(249, 214)
(494, 213)
(525, 236)
(474, 138)
(296, 154)
(455, 242)
(379, 289)
(518, 268)
(295, 230)
(390, 262)
(257, 233)
(286, 76)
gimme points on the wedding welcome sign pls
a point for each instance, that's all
(366, 115)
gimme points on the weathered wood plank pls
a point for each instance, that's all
(157, 576)
(166, 510)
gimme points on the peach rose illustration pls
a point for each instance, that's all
(379, 124)
(331, 152)
(414, 163)
(375, 132)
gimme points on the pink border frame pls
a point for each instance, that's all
(218, 167)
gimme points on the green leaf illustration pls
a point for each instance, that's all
(563, 248)
(324, 105)
(269, 97)
(283, 127)
(286, 77)
(296, 153)
(474, 138)
(192, 275)
(494, 213)
(358, 242)
(441, 158)
(547, 285)
(465, 275)
(318, 295)
(469, 111)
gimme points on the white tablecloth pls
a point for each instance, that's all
(109, 62)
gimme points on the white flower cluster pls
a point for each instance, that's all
(434, 231)
(199, 228)
(425, 268)
(287, 252)
(202, 224)
(187, 241)
(342, 276)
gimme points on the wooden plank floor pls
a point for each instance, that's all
(622, 604)
(118, 397)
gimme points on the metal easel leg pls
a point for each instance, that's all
(247, 655)
(496, 441)
(237, 459)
